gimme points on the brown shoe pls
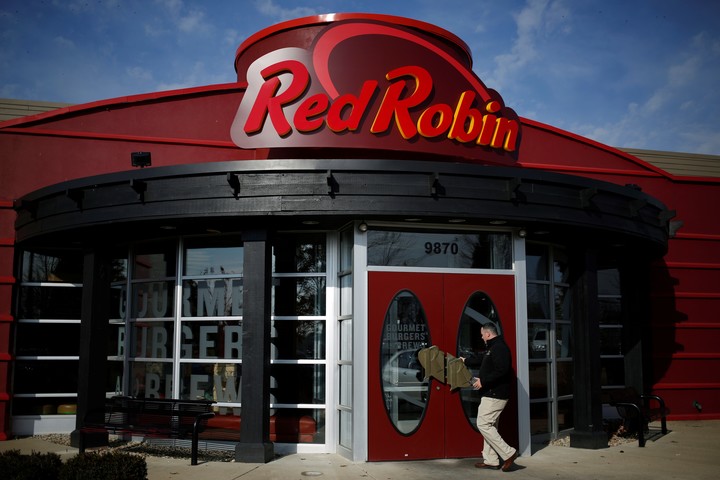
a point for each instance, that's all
(508, 463)
(485, 465)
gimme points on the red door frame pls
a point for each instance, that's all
(444, 431)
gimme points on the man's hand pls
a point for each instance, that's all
(477, 385)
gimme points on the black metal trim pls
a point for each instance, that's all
(387, 189)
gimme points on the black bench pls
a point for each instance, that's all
(638, 410)
(166, 418)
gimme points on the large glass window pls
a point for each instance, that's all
(299, 326)
(549, 340)
(405, 331)
(441, 250)
(176, 328)
(345, 339)
(47, 333)
(612, 360)
(211, 323)
(151, 322)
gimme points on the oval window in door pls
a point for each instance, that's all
(478, 310)
(404, 333)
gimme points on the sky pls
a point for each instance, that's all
(633, 73)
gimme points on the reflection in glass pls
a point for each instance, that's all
(565, 414)
(55, 376)
(536, 260)
(610, 311)
(297, 383)
(218, 382)
(560, 266)
(611, 341)
(298, 339)
(47, 339)
(151, 379)
(294, 296)
(612, 371)
(539, 418)
(49, 302)
(66, 267)
(154, 260)
(564, 341)
(564, 378)
(346, 390)
(446, 250)
(152, 339)
(478, 310)
(299, 253)
(219, 297)
(562, 303)
(538, 305)
(405, 331)
(539, 380)
(301, 425)
(345, 344)
(211, 339)
(213, 256)
(608, 281)
(539, 340)
(153, 299)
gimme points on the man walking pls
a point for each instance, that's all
(494, 382)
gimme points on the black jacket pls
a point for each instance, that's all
(496, 374)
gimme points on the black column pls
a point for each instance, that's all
(255, 445)
(94, 319)
(588, 429)
(635, 283)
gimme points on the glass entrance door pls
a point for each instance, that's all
(411, 416)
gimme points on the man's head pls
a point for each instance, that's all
(488, 331)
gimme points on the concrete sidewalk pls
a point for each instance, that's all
(689, 451)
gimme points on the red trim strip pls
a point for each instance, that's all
(7, 280)
(338, 17)
(133, 138)
(7, 242)
(4, 317)
(6, 204)
(606, 171)
(122, 101)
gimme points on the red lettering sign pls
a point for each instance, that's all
(423, 99)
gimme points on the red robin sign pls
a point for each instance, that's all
(364, 84)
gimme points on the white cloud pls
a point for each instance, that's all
(192, 22)
(139, 73)
(271, 9)
(199, 74)
(534, 22)
(63, 43)
(675, 112)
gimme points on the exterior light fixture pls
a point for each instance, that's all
(140, 159)
(363, 227)
(522, 233)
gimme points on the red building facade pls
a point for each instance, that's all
(358, 194)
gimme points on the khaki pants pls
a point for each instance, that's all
(495, 447)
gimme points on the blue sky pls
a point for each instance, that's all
(633, 73)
